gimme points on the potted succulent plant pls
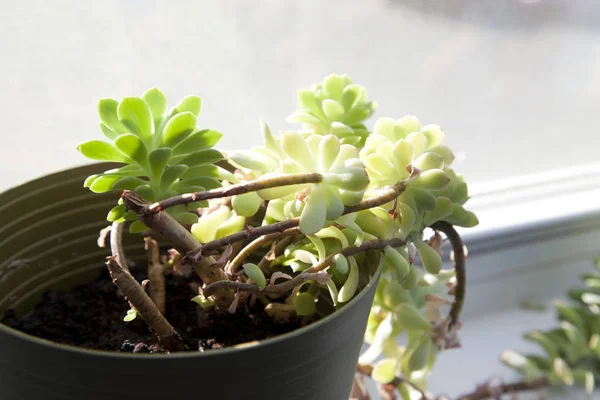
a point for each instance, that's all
(284, 253)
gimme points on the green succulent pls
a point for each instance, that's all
(164, 152)
(216, 224)
(571, 352)
(397, 149)
(337, 106)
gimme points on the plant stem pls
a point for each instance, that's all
(459, 266)
(246, 234)
(253, 288)
(256, 244)
(359, 391)
(375, 244)
(183, 241)
(367, 370)
(253, 186)
(144, 306)
(156, 274)
(488, 391)
(377, 201)
(161, 223)
(319, 277)
(279, 248)
(116, 244)
(279, 227)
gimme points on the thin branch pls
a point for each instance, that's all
(162, 223)
(367, 370)
(209, 290)
(144, 306)
(253, 233)
(247, 234)
(319, 277)
(253, 288)
(375, 244)
(459, 266)
(256, 244)
(377, 201)
(488, 391)
(275, 251)
(156, 274)
(253, 186)
(116, 244)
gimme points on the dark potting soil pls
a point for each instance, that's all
(91, 316)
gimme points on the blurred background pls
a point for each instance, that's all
(514, 83)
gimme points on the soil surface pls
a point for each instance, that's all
(91, 316)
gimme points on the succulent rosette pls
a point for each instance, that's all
(406, 151)
(343, 176)
(164, 152)
(336, 106)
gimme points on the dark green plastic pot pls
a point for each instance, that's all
(48, 232)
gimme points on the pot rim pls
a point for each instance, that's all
(4, 329)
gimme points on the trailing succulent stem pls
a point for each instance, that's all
(458, 250)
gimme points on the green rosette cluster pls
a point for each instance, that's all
(404, 150)
(164, 152)
(571, 352)
(217, 223)
(336, 106)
